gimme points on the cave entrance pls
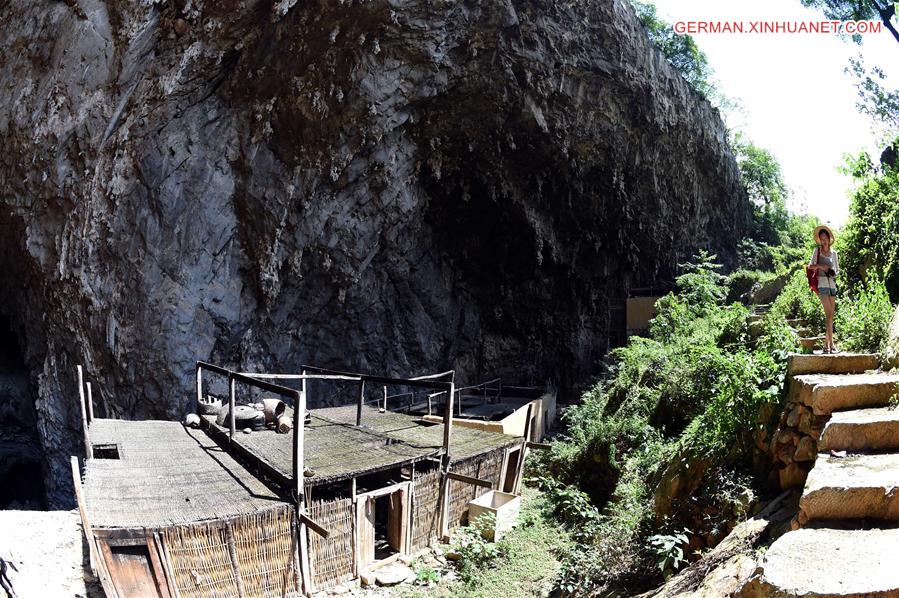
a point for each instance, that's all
(21, 460)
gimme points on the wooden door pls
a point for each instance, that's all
(132, 572)
(396, 520)
(365, 523)
(511, 471)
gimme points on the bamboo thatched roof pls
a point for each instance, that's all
(166, 474)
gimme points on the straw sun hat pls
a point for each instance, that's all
(818, 230)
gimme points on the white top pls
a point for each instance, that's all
(831, 261)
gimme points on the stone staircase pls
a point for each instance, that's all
(845, 538)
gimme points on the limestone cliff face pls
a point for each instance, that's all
(405, 185)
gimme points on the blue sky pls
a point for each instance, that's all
(796, 99)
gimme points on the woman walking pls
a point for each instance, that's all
(824, 259)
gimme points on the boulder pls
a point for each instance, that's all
(791, 476)
(806, 451)
(681, 478)
(392, 575)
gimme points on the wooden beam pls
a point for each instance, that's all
(470, 480)
(90, 403)
(318, 529)
(422, 383)
(359, 404)
(539, 445)
(88, 450)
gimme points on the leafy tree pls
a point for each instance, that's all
(870, 240)
(858, 10)
(777, 236)
(875, 100)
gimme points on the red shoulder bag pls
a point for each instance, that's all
(812, 274)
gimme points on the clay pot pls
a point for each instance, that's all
(285, 424)
(273, 409)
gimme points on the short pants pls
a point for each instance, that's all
(825, 292)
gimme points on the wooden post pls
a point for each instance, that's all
(359, 404)
(299, 417)
(299, 432)
(355, 524)
(460, 403)
(447, 458)
(516, 487)
(235, 565)
(385, 398)
(82, 511)
(232, 384)
(429, 403)
(88, 451)
(199, 387)
(90, 403)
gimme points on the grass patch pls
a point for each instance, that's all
(530, 561)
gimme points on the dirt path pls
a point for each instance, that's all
(45, 555)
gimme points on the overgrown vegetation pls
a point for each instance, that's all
(691, 393)
(869, 243)
(659, 459)
(526, 561)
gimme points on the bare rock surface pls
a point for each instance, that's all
(852, 487)
(45, 554)
(372, 185)
(835, 563)
(876, 428)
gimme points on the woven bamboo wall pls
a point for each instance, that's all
(425, 520)
(332, 559)
(266, 545)
(255, 551)
(485, 467)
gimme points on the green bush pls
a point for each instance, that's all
(863, 317)
(743, 281)
(798, 301)
(868, 242)
(474, 551)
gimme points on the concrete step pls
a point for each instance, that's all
(826, 393)
(874, 429)
(830, 562)
(840, 363)
(852, 487)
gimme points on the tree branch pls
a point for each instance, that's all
(885, 15)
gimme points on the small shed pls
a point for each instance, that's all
(170, 510)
